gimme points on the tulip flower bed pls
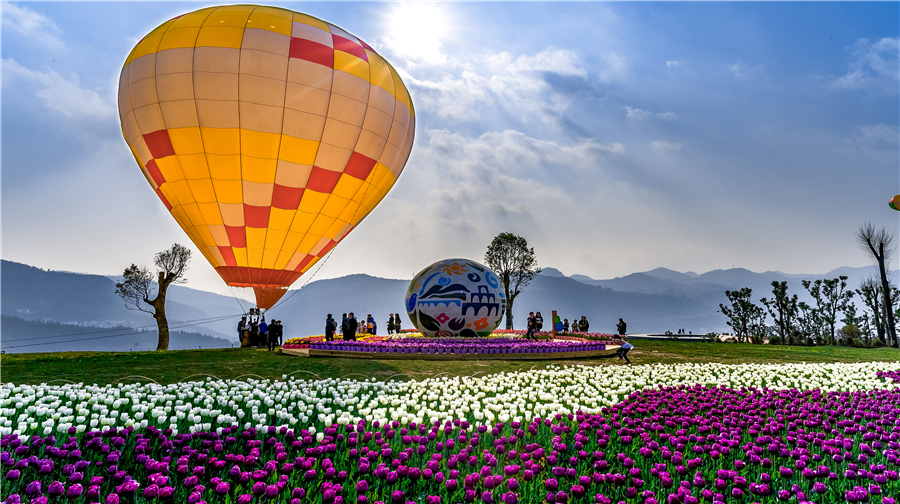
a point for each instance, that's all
(718, 433)
(459, 346)
(309, 340)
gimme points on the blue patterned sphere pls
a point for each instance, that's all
(455, 297)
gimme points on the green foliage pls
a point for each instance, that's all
(783, 309)
(514, 262)
(744, 316)
(832, 297)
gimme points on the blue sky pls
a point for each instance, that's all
(615, 137)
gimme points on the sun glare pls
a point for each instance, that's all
(415, 31)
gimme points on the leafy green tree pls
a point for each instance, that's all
(140, 284)
(743, 315)
(870, 293)
(514, 262)
(880, 243)
(809, 324)
(832, 297)
(783, 309)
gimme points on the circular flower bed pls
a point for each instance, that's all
(459, 346)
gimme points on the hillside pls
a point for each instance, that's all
(40, 336)
(651, 302)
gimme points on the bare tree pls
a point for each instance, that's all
(139, 285)
(880, 242)
(514, 262)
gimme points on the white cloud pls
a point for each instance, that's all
(872, 64)
(879, 142)
(33, 26)
(514, 82)
(664, 146)
(636, 114)
(743, 72)
(61, 95)
(673, 64)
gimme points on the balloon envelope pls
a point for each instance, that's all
(895, 202)
(268, 134)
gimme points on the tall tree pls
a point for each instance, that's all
(783, 309)
(809, 323)
(832, 297)
(140, 284)
(514, 262)
(870, 293)
(880, 243)
(743, 314)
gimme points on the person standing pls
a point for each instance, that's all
(344, 324)
(263, 327)
(538, 322)
(531, 325)
(330, 326)
(271, 335)
(254, 334)
(371, 325)
(623, 350)
(390, 324)
(279, 332)
(574, 324)
(352, 324)
(621, 327)
(565, 325)
(241, 327)
(583, 324)
(397, 324)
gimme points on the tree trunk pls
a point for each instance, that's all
(509, 306)
(888, 302)
(162, 324)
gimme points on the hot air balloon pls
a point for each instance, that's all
(895, 202)
(268, 134)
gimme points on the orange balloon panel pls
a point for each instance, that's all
(895, 202)
(268, 134)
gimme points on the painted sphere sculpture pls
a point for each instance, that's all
(895, 202)
(268, 134)
(455, 297)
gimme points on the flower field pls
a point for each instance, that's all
(643, 434)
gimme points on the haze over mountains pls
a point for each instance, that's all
(62, 306)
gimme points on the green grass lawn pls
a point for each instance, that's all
(173, 366)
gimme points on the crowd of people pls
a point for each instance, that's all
(350, 327)
(272, 335)
(260, 333)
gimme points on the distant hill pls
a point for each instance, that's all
(51, 335)
(651, 302)
(34, 294)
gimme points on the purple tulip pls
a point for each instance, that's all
(244, 499)
(271, 491)
(33, 489)
(56, 489)
(151, 492)
(222, 487)
(112, 499)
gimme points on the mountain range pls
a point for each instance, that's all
(62, 305)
